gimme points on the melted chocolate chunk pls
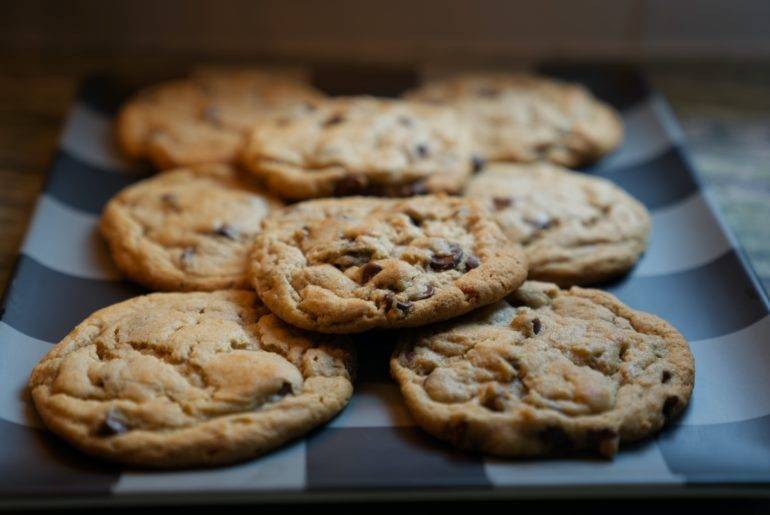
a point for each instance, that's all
(487, 92)
(392, 304)
(187, 255)
(443, 262)
(541, 222)
(169, 200)
(227, 231)
(286, 389)
(471, 262)
(422, 151)
(537, 325)
(368, 271)
(113, 424)
(502, 202)
(665, 377)
(350, 185)
(478, 164)
(426, 293)
(414, 188)
(403, 306)
(334, 119)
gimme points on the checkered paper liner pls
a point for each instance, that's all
(693, 275)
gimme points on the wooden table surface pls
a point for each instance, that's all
(723, 108)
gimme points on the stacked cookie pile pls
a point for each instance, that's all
(284, 222)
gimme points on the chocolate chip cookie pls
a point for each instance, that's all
(189, 379)
(549, 372)
(204, 118)
(348, 265)
(360, 146)
(187, 229)
(575, 228)
(528, 118)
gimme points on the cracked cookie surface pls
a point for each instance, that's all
(189, 379)
(186, 229)
(206, 117)
(361, 146)
(575, 228)
(348, 265)
(548, 371)
(528, 118)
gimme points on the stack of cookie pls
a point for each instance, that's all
(283, 222)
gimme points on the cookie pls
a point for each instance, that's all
(550, 372)
(189, 379)
(360, 146)
(206, 117)
(575, 228)
(187, 229)
(528, 118)
(349, 265)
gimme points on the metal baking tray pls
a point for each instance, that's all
(693, 275)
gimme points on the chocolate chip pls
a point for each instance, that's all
(415, 188)
(422, 151)
(426, 293)
(478, 164)
(334, 119)
(226, 230)
(113, 424)
(187, 255)
(536, 326)
(665, 377)
(442, 262)
(556, 439)
(471, 262)
(211, 114)
(169, 200)
(286, 389)
(350, 185)
(670, 406)
(502, 202)
(488, 92)
(392, 304)
(368, 271)
(403, 306)
(540, 222)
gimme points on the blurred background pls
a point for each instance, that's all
(393, 31)
(711, 59)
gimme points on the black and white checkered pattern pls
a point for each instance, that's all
(693, 275)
